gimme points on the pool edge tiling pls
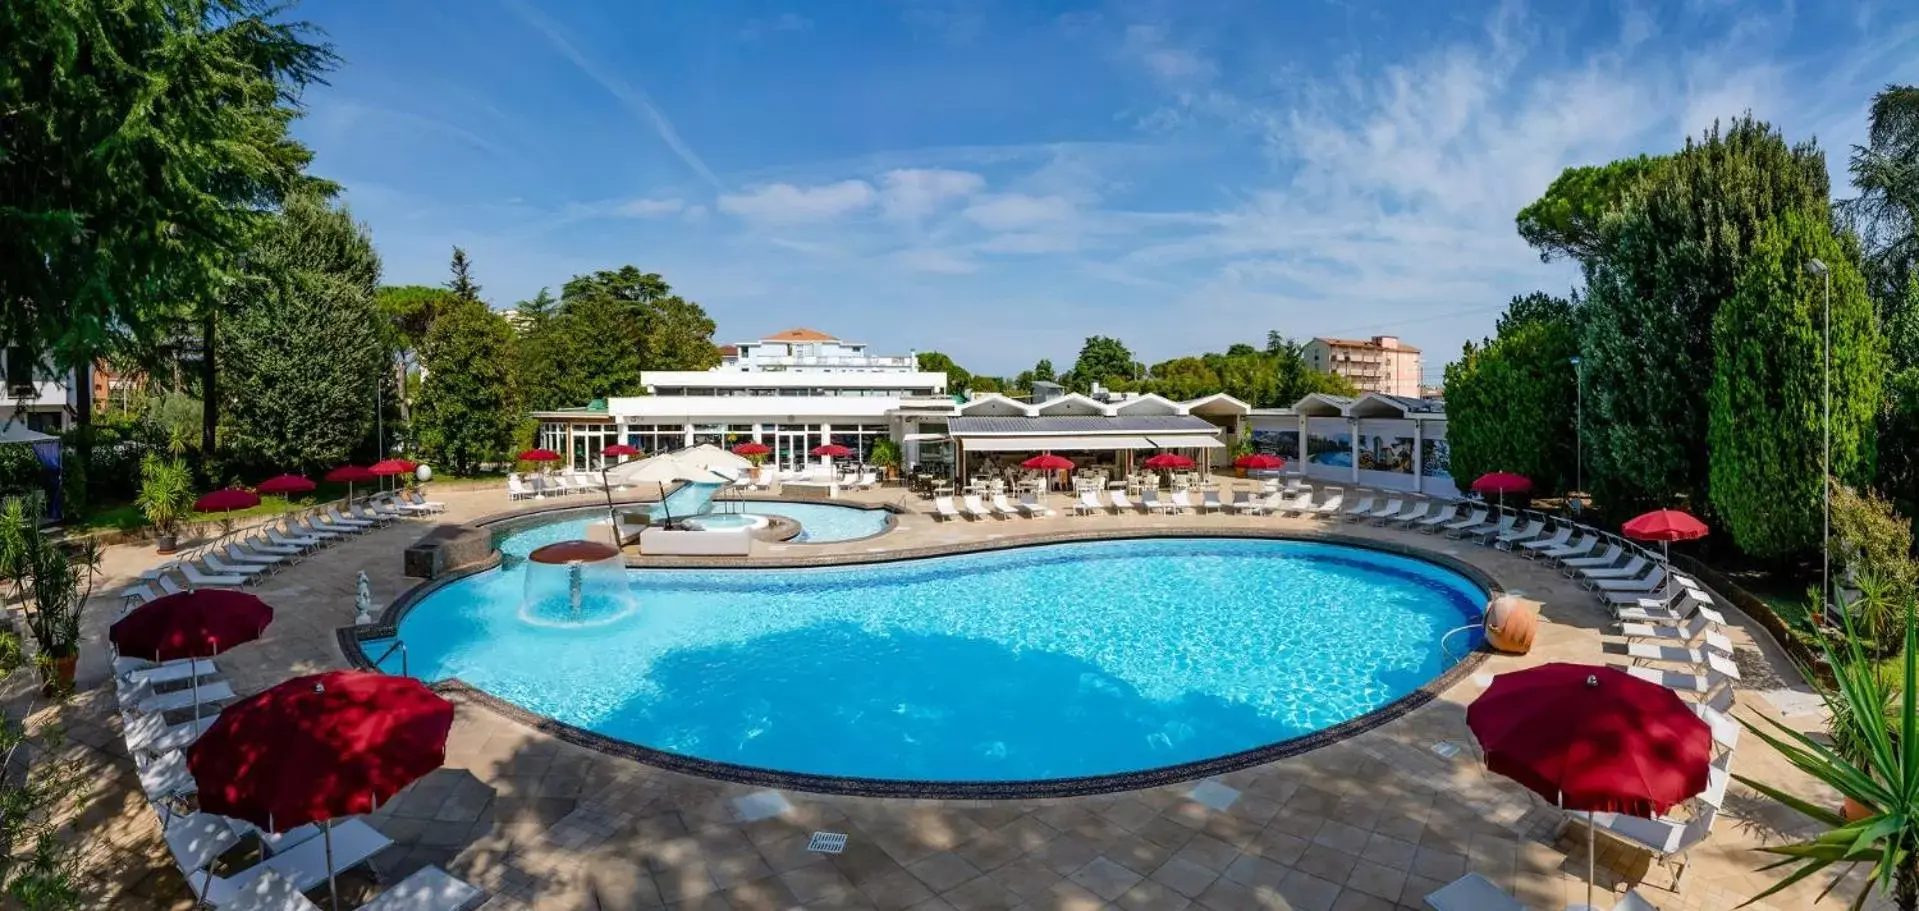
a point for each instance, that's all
(969, 790)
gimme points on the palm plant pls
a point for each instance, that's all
(1871, 761)
(166, 494)
(54, 581)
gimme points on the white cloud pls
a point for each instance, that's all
(784, 203)
(918, 192)
(1014, 211)
(652, 208)
(1165, 59)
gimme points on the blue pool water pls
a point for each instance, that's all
(1036, 663)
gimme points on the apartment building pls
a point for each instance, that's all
(1381, 364)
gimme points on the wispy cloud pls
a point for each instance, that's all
(632, 97)
(652, 208)
(910, 193)
(785, 203)
(1016, 211)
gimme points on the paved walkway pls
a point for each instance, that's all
(1374, 822)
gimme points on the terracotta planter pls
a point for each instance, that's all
(57, 675)
(1854, 811)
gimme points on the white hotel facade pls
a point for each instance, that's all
(791, 391)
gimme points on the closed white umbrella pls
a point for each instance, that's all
(662, 469)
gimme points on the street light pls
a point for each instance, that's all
(1825, 460)
(1579, 428)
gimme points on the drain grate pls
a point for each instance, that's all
(827, 842)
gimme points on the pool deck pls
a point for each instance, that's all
(1374, 821)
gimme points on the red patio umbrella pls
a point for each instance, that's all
(751, 449)
(832, 451)
(193, 624)
(1592, 738)
(319, 747)
(1048, 462)
(1169, 460)
(1502, 483)
(1260, 461)
(285, 485)
(1665, 526)
(539, 455)
(226, 499)
(619, 450)
(350, 475)
(391, 466)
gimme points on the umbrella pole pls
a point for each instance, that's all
(1589, 859)
(332, 887)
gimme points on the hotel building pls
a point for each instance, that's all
(1381, 364)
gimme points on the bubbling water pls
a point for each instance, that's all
(575, 583)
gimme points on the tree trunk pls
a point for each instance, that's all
(209, 392)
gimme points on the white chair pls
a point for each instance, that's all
(1639, 586)
(1627, 570)
(420, 500)
(1581, 546)
(218, 566)
(1329, 508)
(1681, 606)
(1255, 506)
(1380, 512)
(1003, 507)
(197, 579)
(261, 544)
(1486, 531)
(333, 516)
(1088, 503)
(149, 732)
(242, 554)
(1530, 530)
(138, 671)
(1717, 670)
(943, 508)
(1473, 517)
(1666, 839)
(1209, 501)
(301, 531)
(1149, 501)
(1181, 502)
(973, 507)
(516, 490)
(1605, 558)
(1031, 506)
(1412, 512)
(1699, 632)
(1533, 548)
(1364, 506)
(141, 698)
(1447, 512)
(1472, 892)
(304, 866)
(1120, 503)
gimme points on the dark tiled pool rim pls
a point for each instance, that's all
(350, 639)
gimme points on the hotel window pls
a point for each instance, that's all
(553, 436)
(653, 439)
(588, 440)
(859, 438)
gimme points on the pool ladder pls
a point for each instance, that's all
(400, 646)
(1449, 634)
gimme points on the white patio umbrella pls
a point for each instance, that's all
(672, 466)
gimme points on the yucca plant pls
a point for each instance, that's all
(1872, 762)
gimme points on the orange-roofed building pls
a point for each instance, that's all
(1382, 364)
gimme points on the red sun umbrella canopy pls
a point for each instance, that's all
(1592, 738)
(539, 455)
(1048, 462)
(195, 624)
(751, 449)
(1169, 460)
(1260, 461)
(832, 451)
(319, 747)
(285, 484)
(1502, 483)
(1665, 525)
(391, 466)
(618, 450)
(226, 500)
(350, 474)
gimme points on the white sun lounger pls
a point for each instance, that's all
(420, 500)
(303, 866)
(1440, 515)
(217, 565)
(301, 531)
(239, 553)
(164, 776)
(1361, 508)
(1255, 505)
(1088, 503)
(1473, 517)
(333, 517)
(1406, 517)
(1606, 558)
(150, 733)
(1638, 585)
(1534, 547)
(1209, 501)
(1120, 503)
(1486, 531)
(1472, 892)
(135, 595)
(1149, 501)
(1300, 503)
(1697, 684)
(1681, 606)
(136, 671)
(1004, 507)
(428, 889)
(166, 583)
(943, 508)
(197, 579)
(1532, 529)
(1628, 570)
(261, 544)
(141, 698)
(1381, 511)
(1699, 632)
(1665, 838)
(1329, 508)
(375, 512)
(1576, 548)
(1182, 502)
(517, 490)
(1031, 506)
(974, 507)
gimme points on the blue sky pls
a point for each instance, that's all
(1000, 179)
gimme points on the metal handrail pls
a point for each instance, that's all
(1449, 634)
(399, 644)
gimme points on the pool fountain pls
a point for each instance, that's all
(575, 583)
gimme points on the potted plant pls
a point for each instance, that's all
(166, 497)
(1241, 449)
(886, 454)
(55, 584)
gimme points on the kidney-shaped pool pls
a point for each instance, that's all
(1030, 664)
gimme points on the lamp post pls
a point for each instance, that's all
(1825, 459)
(1579, 427)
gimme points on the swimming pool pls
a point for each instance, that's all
(1036, 663)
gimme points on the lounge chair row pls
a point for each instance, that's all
(556, 484)
(974, 507)
(253, 554)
